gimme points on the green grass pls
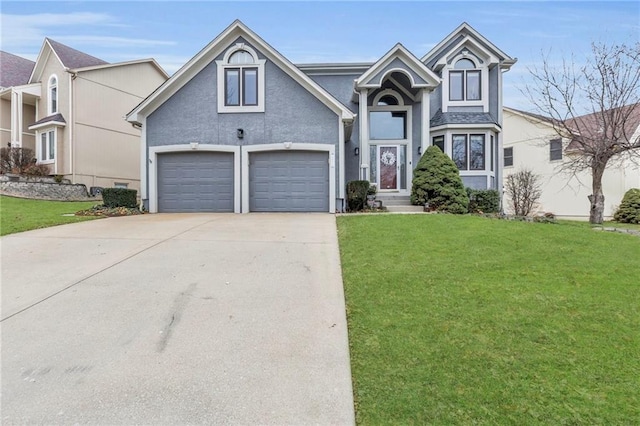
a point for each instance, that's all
(467, 320)
(18, 214)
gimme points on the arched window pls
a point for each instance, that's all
(241, 80)
(465, 81)
(53, 94)
(388, 100)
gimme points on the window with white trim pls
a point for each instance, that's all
(465, 81)
(469, 152)
(555, 149)
(47, 146)
(508, 157)
(53, 94)
(241, 81)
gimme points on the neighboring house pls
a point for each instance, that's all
(530, 141)
(68, 107)
(240, 128)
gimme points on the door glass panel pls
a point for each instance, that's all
(388, 167)
(373, 163)
(388, 125)
(403, 167)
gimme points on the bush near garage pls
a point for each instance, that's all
(483, 200)
(120, 197)
(357, 191)
(629, 210)
(436, 182)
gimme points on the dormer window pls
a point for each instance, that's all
(464, 81)
(241, 81)
(53, 95)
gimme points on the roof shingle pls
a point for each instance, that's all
(14, 70)
(72, 58)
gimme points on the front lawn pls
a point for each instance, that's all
(18, 214)
(467, 320)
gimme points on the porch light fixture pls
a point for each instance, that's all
(419, 149)
(356, 151)
(240, 133)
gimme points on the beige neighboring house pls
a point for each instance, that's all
(531, 142)
(69, 108)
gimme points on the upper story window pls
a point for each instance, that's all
(555, 149)
(465, 81)
(388, 117)
(241, 81)
(53, 94)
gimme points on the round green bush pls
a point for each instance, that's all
(436, 180)
(629, 210)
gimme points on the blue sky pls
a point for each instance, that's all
(352, 31)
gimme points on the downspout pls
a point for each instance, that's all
(72, 77)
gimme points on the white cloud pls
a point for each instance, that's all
(25, 33)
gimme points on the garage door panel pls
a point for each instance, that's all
(289, 181)
(195, 182)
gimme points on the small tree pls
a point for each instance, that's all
(629, 210)
(523, 190)
(436, 180)
(596, 107)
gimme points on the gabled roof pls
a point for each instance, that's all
(398, 59)
(591, 125)
(69, 58)
(55, 119)
(14, 70)
(531, 116)
(466, 36)
(216, 47)
(122, 64)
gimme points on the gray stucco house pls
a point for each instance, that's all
(240, 128)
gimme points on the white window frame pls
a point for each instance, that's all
(560, 150)
(223, 65)
(53, 84)
(407, 141)
(50, 159)
(484, 83)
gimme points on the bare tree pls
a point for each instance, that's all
(523, 190)
(595, 108)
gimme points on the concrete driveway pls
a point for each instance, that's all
(174, 319)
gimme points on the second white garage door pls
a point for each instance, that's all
(289, 181)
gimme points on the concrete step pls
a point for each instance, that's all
(394, 200)
(404, 209)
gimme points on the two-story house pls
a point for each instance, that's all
(531, 142)
(68, 107)
(240, 128)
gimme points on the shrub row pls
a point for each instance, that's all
(119, 197)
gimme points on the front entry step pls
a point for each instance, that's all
(398, 203)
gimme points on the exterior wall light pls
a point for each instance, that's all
(240, 133)
(356, 151)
